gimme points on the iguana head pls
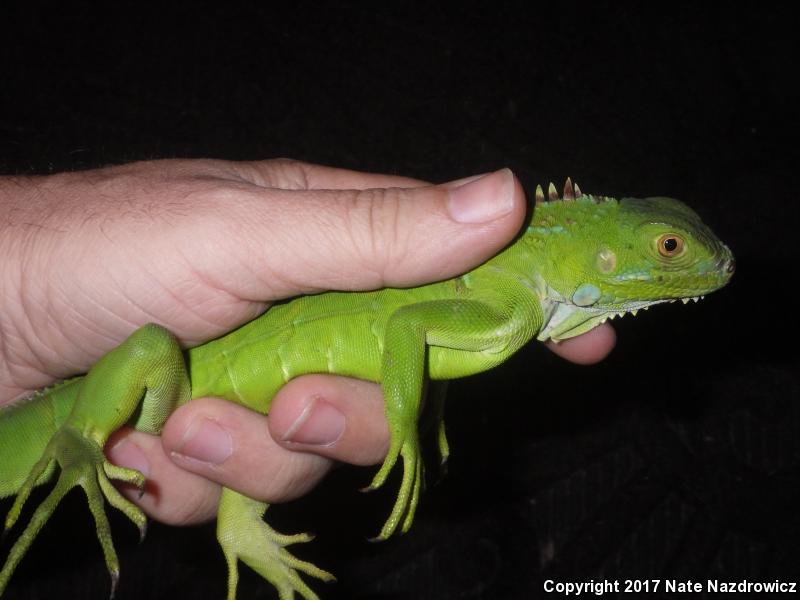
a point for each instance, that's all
(600, 258)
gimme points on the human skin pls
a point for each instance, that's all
(202, 246)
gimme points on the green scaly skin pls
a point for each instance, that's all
(582, 259)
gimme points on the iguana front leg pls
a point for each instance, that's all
(146, 369)
(462, 325)
(436, 398)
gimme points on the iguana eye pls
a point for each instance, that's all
(670, 245)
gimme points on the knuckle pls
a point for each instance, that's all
(193, 509)
(295, 476)
(287, 173)
(375, 220)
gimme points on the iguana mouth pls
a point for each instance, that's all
(564, 320)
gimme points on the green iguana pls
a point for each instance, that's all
(583, 259)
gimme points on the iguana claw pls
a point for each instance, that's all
(408, 496)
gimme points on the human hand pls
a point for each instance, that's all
(203, 246)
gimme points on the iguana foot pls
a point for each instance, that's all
(245, 536)
(404, 444)
(437, 395)
(82, 463)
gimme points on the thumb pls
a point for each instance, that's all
(358, 239)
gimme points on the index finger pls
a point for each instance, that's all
(588, 348)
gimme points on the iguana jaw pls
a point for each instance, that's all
(564, 319)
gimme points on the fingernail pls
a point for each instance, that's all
(320, 424)
(482, 199)
(129, 455)
(207, 441)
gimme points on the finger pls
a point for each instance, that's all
(231, 445)
(589, 348)
(171, 495)
(336, 417)
(297, 175)
(316, 240)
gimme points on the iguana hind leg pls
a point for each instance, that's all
(146, 369)
(245, 536)
(82, 464)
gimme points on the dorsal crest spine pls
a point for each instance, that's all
(572, 192)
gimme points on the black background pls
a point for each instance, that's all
(677, 458)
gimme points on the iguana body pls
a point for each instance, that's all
(581, 260)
